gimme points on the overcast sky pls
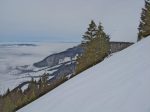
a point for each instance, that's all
(64, 20)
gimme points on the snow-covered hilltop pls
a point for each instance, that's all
(118, 84)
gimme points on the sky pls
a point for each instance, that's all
(66, 20)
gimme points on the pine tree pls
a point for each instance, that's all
(91, 33)
(103, 45)
(95, 49)
(8, 92)
(8, 106)
(144, 27)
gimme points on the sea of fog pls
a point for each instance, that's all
(13, 55)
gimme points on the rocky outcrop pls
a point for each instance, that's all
(118, 46)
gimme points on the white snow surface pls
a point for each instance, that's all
(13, 55)
(121, 83)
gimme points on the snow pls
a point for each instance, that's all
(118, 84)
(24, 87)
(13, 55)
(66, 59)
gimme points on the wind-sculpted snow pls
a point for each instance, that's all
(121, 83)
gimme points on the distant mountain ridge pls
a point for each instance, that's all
(54, 59)
(18, 45)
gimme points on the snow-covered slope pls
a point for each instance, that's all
(121, 83)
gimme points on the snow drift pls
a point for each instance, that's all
(119, 84)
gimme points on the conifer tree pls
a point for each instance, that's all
(8, 106)
(103, 42)
(95, 49)
(90, 33)
(144, 27)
